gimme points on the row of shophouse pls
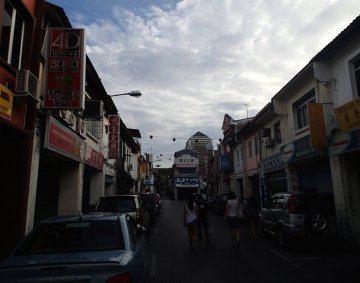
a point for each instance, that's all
(63, 143)
(307, 138)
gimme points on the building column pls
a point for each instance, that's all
(97, 184)
(70, 191)
(31, 201)
(340, 185)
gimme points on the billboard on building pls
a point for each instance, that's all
(65, 69)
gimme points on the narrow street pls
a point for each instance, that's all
(258, 260)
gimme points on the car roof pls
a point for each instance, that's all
(86, 217)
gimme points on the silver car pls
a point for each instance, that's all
(96, 247)
(291, 216)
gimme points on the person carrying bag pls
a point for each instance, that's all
(233, 207)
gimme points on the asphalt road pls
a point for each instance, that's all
(258, 260)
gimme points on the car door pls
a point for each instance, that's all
(267, 213)
(139, 250)
(275, 212)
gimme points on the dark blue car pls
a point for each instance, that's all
(95, 247)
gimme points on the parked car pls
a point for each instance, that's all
(149, 203)
(130, 204)
(94, 247)
(298, 215)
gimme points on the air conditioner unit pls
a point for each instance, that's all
(81, 127)
(270, 142)
(69, 118)
(26, 84)
(265, 132)
(94, 109)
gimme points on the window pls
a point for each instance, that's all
(12, 36)
(277, 132)
(300, 110)
(250, 148)
(74, 236)
(256, 143)
(357, 75)
(94, 128)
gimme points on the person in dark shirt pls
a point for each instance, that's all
(203, 221)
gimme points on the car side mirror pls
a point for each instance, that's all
(140, 229)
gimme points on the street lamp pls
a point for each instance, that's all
(134, 93)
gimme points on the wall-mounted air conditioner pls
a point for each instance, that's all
(69, 118)
(94, 109)
(81, 127)
(26, 84)
(265, 132)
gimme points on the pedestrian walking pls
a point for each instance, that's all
(191, 215)
(203, 221)
(231, 216)
(251, 214)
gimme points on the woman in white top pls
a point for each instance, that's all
(190, 220)
(232, 206)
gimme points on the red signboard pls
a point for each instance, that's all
(65, 69)
(114, 136)
(60, 139)
(94, 158)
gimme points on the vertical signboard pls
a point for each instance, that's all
(6, 102)
(114, 136)
(65, 69)
(317, 125)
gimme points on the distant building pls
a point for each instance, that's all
(201, 144)
(185, 177)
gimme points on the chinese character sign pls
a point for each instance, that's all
(65, 69)
(114, 136)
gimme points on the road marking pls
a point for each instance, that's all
(286, 259)
(153, 265)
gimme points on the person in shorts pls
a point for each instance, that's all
(191, 215)
(231, 217)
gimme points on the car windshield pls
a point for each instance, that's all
(60, 237)
(124, 204)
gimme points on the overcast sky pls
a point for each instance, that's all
(196, 60)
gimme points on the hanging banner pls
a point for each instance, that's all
(114, 136)
(65, 69)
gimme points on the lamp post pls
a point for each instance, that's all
(134, 93)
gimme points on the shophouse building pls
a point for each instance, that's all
(59, 146)
(185, 180)
(227, 178)
(337, 72)
(21, 42)
(309, 132)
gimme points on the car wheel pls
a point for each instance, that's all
(261, 228)
(282, 238)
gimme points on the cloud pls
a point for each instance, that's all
(198, 60)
